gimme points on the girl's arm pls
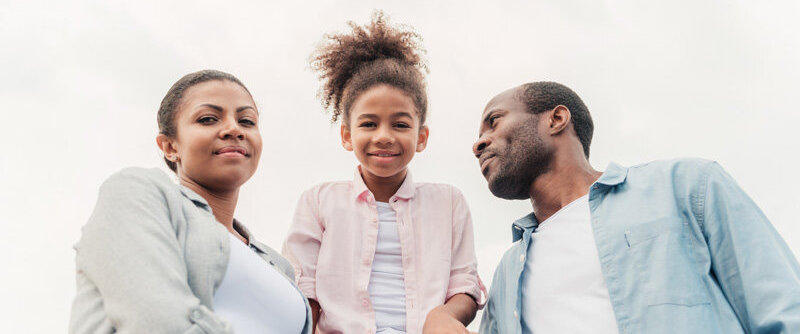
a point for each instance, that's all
(452, 317)
(131, 274)
(302, 246)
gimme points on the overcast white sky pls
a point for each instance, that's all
(81, 82)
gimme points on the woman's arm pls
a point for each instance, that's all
(130, 254)
(452, 317)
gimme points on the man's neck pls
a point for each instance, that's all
(567, 180)
(222, 203)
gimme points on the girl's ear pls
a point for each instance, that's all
(168, 147)
(347, 143)
(422, 140)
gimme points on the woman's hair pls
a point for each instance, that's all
(370, 55)
(171, 102)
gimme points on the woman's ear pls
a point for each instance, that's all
(168, 147)
(422, 139)
(347, 143)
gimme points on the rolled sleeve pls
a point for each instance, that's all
(463, 270)
(303, 242)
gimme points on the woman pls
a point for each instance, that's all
(156, 256)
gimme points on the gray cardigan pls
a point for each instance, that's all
(151, 257)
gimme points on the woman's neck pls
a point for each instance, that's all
(383, 188)
(222, 203)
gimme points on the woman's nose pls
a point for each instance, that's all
(231, 129)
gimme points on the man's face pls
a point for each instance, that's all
(510, 151)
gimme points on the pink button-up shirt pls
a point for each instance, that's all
(332, 242)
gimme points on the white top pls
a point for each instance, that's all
(386, 288)
(255, 298)
(563, 290)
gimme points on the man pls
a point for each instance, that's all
(664, 247)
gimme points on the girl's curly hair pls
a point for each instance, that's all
(374, 54)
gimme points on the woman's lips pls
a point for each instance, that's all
(232, 151)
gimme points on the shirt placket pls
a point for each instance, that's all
(369, 243)
(405, 231)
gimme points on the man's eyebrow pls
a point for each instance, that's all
(490, 114)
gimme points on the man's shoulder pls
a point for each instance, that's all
(676, 170)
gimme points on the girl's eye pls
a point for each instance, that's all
(367, 125)
(247, 122)
(207, 120)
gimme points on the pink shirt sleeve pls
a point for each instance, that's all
(463, 270)
(303, 242)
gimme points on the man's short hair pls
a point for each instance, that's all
(546, 95)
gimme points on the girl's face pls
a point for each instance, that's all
(384, 131)
(217, 144)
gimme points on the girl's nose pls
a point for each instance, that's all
(383, 136)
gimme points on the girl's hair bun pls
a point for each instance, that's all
(376, 53)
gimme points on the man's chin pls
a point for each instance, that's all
(508, 189)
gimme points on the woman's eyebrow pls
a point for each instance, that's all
(212, 106)
(243, 108)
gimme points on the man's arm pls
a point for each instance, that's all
(755, 269)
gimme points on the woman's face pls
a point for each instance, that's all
(217, 144)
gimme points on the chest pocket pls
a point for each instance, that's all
(666, 272)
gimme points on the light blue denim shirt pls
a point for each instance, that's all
(682, 250)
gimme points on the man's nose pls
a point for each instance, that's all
(479, 146)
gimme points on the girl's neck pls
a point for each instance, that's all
(383, 188)
(222, 203)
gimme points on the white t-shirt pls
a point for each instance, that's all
(386, 287)
(255, 298)
(563, 290)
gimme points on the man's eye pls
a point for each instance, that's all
(207, 120)
(402, 125)
(492, 119)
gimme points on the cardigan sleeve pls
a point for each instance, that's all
(131, 274)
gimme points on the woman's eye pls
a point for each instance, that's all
(207, 120)
(247, 122)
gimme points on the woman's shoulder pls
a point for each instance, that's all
(139, 179)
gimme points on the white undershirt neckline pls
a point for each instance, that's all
(255, 298)
(563, 289)
(386, 285)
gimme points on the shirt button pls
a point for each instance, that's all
(365, 302)
(516, 315)
(195, 315)
(522, 258)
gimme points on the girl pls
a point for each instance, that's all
(160, 257)
(382, 253)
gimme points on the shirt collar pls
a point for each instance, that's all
(613, 175)
(193, 196)
(407, 190)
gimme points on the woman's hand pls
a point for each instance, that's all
(441, 320)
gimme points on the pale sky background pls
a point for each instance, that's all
(82, 80)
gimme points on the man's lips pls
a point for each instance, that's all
(232, 150)
(484, 162)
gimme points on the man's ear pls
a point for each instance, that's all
(560, 119)
(168, 147)
(422, 139)
(347, 142)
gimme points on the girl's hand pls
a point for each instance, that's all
(442, 321)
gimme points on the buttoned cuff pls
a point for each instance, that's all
(204, 321)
